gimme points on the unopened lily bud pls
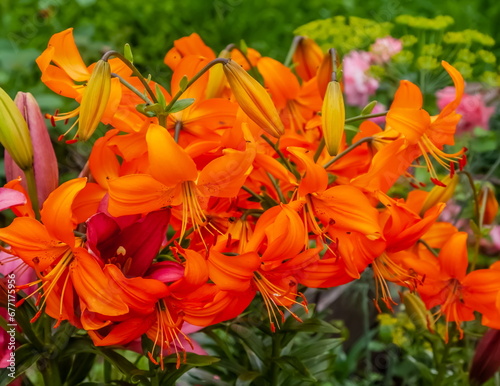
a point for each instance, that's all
(416, 310)
(307, 57)
(440, 193)
(14, 133)
(44, 158)
(216, 81)
(488, 205)
(486, 361)
(94, 100)
(253, 99)
(333, 117)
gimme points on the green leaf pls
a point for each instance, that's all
(369, 108)
(26, 356)
(318, 348)
(193, 359)
(249, 338)
(183, 83)
(155, 108)
(314, 325)
(160, 96)
(181, 104)
(82, 364)
(127, 52)
(286, 362)
(247, 377)
(351, 128)
(142, 109)
(124, 365)
(243, 47)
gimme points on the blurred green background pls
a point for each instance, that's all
(151, 26)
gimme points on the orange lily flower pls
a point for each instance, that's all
(343, 211)
(426, 135)
(457, 293)
(65, 73)
(143, 193)
(274, 256)
(48, 246)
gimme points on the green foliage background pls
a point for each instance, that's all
(151, 26)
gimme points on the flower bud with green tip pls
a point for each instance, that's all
(14, 133)
(44, 161)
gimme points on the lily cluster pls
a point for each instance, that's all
(198, 199)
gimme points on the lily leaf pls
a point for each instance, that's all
(181, 104)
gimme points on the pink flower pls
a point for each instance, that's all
(358, 85)
(473, 109)
(384, 49)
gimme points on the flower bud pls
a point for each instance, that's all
(44, 161)
(94, 100)
(14, 133)
(440, 193)
(308, 57)
(333, 117)
(488, 205)
(416, 310)
(486, 361)
(216, 81)
(253, 99)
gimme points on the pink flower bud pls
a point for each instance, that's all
(486, 360)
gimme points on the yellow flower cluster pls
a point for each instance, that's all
(419, 22)
(345, 34)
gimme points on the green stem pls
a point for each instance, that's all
(431, 250)
(194, 79)
(291, 51)
(363, 117)
(32, 192)
(177, 131)
(277, 188)
(50, 372)
(276, 353)
(492, 169)
(442, 364)
(477, 219)
(347, 151)
(135, 71)
(281, 155)
(252, 193)
(132, 88)
(333, 55)
(319, 150)
(233, 46)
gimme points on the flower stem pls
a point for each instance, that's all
(132, 88)
(281, 155)
(32, 192)
(442, 363)
(194, 79)
(477, 219)
(291, 51)
(347, 151)
(50, 372)
(319, 150)
(276, 353)
(363, 117)
(134, 69)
